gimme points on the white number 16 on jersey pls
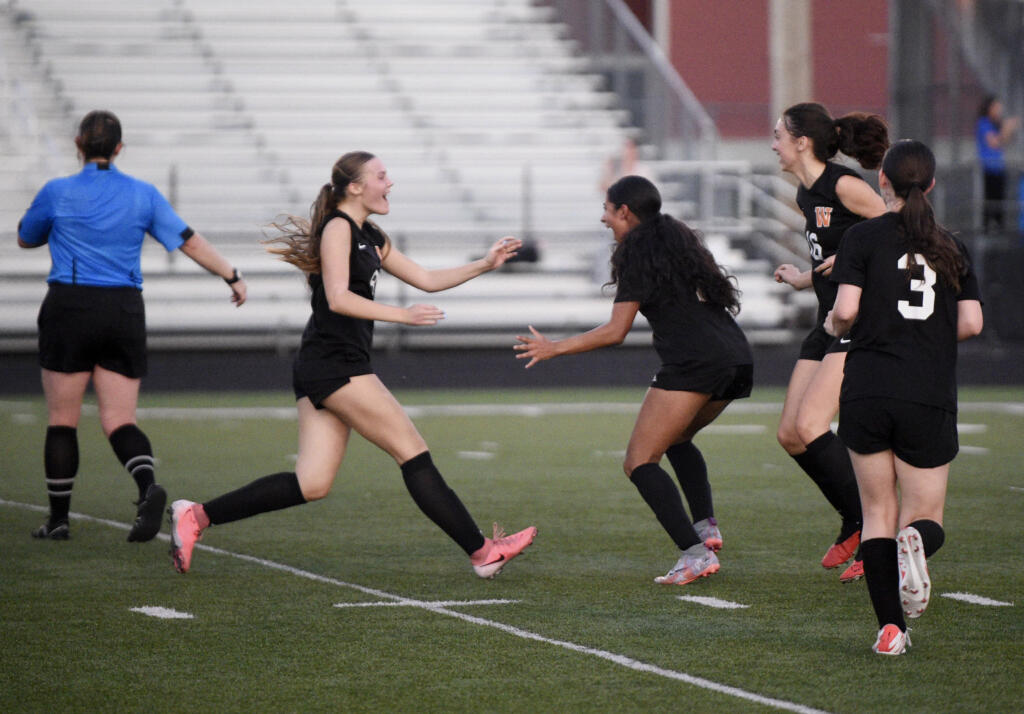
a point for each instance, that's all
(924, 285)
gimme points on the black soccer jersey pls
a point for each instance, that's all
(688, 332)
(825, 221)
(905, 337)
(330, 336)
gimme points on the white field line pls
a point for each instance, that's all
(528, 410)
(713, 602)
(973, 450)
(1016, 488)
(621, 660)
(977, 599)
(426, 604)
(164, 613)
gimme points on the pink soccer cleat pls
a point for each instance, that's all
(854, 572)
(497, 551)
(690, 567)
(709, 533)
(839, 553)
(891, 641)
(185, 531)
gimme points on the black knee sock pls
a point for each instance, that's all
(439, 503)
(662, 496)
(269, 493)
(692, 474)
(827, 462)
(60, 462)
(134, 451)
(932, 535)
(882, 572)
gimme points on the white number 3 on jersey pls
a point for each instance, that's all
(924, 285)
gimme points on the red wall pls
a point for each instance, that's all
(851, 55)
(721, 50)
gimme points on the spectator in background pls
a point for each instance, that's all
(992, 133)
(92, 324)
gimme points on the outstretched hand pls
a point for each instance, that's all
(502, 250)
(422, 315)
(536, 348)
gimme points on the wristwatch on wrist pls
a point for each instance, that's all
(235, 277)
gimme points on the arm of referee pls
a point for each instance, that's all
(206, 256)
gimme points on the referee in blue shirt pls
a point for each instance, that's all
(92, 323)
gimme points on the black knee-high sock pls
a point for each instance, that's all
(269, 493)
(692, 474)
(882, 572)
(662, 496)
(827, 462)
(439, 503)
(932, 535)
(134, 451)
(60, 462)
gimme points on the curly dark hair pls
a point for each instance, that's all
(669, 254)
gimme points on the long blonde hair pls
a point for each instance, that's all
(299, 242)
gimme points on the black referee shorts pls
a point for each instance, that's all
(83, 326)
(720, 382)
(922, 435)
(819, 343)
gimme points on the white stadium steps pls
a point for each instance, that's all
(238, 110)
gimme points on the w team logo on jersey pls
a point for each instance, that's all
(823, 216)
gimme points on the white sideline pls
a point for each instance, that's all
(164, 613)
(527, 410)
(713, 602)
(977, 599)
(618, 659)
(426, 604)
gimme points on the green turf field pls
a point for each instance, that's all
(586, 629)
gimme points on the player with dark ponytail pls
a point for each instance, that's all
(907, 294)
(832, 198)
(342, 253)
(661, 268)
(92, 323)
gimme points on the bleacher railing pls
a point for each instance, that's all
(636, 68)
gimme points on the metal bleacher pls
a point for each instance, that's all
(483, 111)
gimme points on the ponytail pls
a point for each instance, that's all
(864, 137)
(910, 168)
(300, 238)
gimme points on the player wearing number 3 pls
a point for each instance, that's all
(832, 198)
(907, 294)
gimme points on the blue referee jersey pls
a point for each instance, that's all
(95, 222)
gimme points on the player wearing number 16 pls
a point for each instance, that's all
(832, 197)
(907, 294)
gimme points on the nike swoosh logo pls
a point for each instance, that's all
(844, 340)
(362, 246)
(496, 561)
